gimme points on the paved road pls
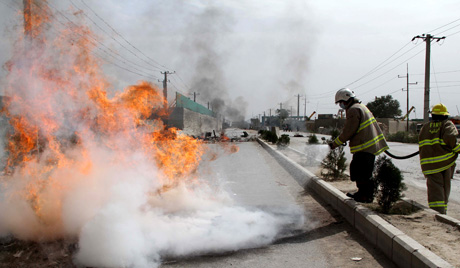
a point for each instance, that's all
(257, 182)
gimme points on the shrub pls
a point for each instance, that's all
(268, 136)
(312, 139)
(402, 136)
(334, 163)
(283, 141)
(388, 182)
(334, 133)
(335, 160)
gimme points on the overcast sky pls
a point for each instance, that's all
(256, 54)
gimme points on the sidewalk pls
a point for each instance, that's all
(410, 168)
(399, 247)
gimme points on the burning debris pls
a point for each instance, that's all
(85, 164)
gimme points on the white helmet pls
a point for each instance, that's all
(344, 94)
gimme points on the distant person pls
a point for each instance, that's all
(438, 151)
(366, 141)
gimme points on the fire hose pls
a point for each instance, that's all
(402, 157)
(390, 154)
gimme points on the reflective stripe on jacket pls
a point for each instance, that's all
(363, 131)
(438, 146)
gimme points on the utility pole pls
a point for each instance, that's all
(427, 38)
(27, 18)
(407, 89)
(194, 97)
(298, 106)
(264, 119)
(281, 106)
(165, 87)
(305, 108)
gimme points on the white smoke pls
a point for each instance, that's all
(121, 220)
(106, 191)
(139, 238)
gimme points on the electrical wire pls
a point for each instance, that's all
(130, 51)
(435, 80)
(117, 33)
(390, 69)
(128, 42)
(455, 71)
(95, 42)
(383, 64)
(378, 67)
(111, 36)
(448, 29)
(443, 26)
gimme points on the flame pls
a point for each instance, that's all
(59, 109)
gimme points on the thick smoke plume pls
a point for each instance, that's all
(83, 165)
(205, 31)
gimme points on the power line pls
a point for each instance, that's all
(436, 81)
(377, 67)
(11, 7)
(443, 26)
(453, 34)
(390, 69)
(448, 29)
(116, 32)
(123, 46)
(97, 25)
(384, 83)
(380, 66)
(94, 41)
(186, 85)
(121, 36)
(455, 71)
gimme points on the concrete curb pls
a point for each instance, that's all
(439, 217)
(397, 246)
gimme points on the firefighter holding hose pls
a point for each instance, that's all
(439, 149)
(366, 141)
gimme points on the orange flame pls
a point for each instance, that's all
(59, 107)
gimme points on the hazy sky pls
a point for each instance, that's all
(255, 54)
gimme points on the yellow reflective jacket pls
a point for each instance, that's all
(362, 130)
(438, 146)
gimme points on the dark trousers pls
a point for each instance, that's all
(361, 168)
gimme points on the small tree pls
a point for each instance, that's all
(312, 139)
(335, 160)
(283, 141)
(388, 182)
(268, 135)
(334, 163)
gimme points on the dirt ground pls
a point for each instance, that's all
(442, 239)
(17, 253)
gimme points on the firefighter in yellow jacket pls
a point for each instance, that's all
(438, 151)
(366, 141)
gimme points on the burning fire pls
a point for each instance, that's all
(60, 111)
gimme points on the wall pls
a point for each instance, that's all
(392, 126)
(193, 123)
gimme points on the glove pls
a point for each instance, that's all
(331, 145)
